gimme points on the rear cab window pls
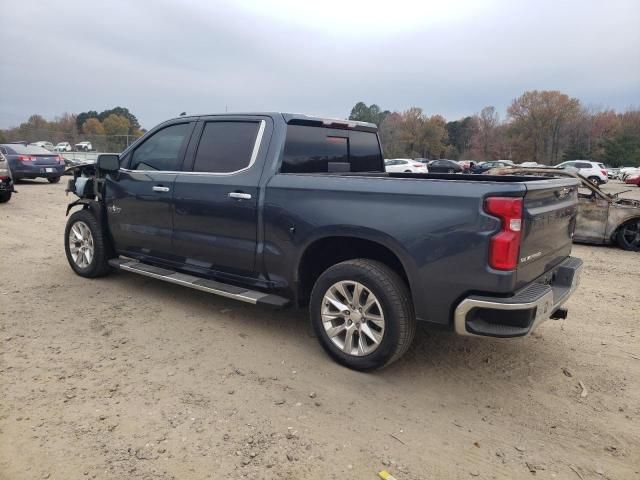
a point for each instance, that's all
(313, 149)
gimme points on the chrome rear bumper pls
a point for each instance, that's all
(522, 313)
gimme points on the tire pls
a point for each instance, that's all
(393, 304)
(53, 179)
(5, 197)
(594, 180)
(97, 265)
(628, 235)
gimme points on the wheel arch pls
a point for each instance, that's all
(324, 251)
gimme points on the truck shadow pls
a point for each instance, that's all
(433, 353)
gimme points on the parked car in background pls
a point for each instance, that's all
(484, 166)
(626, 172)
(44, 144)
(29, 161)
(405, 165)
(445, 166)
(83, 147)
(6, 182)
(63, 147)
(633, 179)
(466, 165)
(530, 165)
(594, 171)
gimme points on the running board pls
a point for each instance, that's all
(203, 284)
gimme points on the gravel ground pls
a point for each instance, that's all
(128, 377)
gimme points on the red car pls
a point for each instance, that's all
(633, 180)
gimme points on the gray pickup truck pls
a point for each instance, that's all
(289, 210)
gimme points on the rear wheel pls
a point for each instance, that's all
(594, 180)
(628, 236)
(362, 313)
(53, 179)
(86, 246)
(5, 197)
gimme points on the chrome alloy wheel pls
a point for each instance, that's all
(81, 244)
(352, 318)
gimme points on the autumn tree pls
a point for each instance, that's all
(93, 126)
(538, 120)
(116, 128)
(485, 136)
(390, 131)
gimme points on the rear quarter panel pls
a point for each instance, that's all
(437, 229)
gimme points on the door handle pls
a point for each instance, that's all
(160, 188)
(240, 195)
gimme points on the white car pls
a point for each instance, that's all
(63, 147)
(83, 147)
(48, 145)
(594, 171)
(405, 165)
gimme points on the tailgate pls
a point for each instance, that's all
(550, 208)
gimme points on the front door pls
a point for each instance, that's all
(216, 203)
(139, 197)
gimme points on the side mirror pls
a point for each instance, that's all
(108, 163)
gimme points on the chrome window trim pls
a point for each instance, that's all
(252, 160)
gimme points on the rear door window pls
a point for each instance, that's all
(226, 146)
(583, 165)
(316, 150)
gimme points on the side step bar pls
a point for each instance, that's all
(203, 284)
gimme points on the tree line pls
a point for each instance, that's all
(109, 131)
(547, 127)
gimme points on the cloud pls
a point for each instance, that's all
(159, 58)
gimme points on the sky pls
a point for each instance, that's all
(159, 58)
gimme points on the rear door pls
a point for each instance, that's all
(216, 199)
(139, 198)
(550, 209)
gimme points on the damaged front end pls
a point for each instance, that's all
(85, 183)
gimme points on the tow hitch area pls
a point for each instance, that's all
(560, 314)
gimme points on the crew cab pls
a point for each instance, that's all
(290, 210)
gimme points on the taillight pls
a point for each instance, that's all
(60, 159)
(504, 246)
(604, 172)
(26, 158)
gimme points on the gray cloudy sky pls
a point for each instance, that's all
(159, 58)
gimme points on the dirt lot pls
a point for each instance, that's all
(128, 377)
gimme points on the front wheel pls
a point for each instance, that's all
(628, 236)
(53, 179)
(5, 197)
(362, 313)
(86, 246)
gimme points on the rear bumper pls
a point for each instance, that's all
(37, 171)
(520, 314)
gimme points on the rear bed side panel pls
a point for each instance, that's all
(437, 228)
(550, 209)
